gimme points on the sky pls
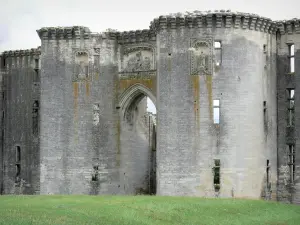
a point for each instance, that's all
(19, 19)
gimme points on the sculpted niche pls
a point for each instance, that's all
(201, 56)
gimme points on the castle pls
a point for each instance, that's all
(225, 84)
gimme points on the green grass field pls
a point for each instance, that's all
(143, 210)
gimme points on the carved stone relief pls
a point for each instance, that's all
(137, 58)
(201, 56)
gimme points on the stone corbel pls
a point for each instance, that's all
(263, 24)
(289, 27)
(181, 20)
(209, 20)
(52, 31)
(173, 22)
(69, 31)
(199, 21)
(258, 24)
(281, 28)
(297, 26)
(237, 21)
(61, 33)
(228, 21)
(163, 22)
(252, 23)
(189, 20)
(268, 24)
(77, 32)
(245, 24)
(219, 20)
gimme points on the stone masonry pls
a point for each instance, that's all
(225, 85)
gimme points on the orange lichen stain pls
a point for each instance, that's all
(208, 81)
(75, 95)
(196, 89)
(87, 88)
(124, 84)
(97, 76)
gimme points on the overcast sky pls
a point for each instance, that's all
(19, 19)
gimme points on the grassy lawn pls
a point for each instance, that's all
(143, 210)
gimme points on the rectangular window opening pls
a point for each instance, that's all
(265, 48)
(268, 171)
(291, 58)
(216, 105)
(217, 174)
(265, 115)
(18, 154)
(291, 163)
(218, 52)
(291, 106)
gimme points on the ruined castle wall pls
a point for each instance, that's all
(20, 91)
(79, 116)
(288, 133)
(188, 141)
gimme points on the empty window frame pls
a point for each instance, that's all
(216, 171)
(265, 115)
(291, 107)
(35, 117)
(218, 52)
(18, 164)
(216, 105)
(291, 163)
(268, 173)
(291, 58)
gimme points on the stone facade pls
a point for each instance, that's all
(75, 119)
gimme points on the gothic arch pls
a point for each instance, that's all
(135, 93)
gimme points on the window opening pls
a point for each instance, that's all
(35, 117)
(218, 52)
(217, 174)
(18, 164)
(291, 107)
(291, 58)
(292, 162)
(216, 105)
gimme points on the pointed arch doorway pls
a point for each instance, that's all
(138, 141)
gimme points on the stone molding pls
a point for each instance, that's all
(216, 19)
(20, 53)
(54, 33)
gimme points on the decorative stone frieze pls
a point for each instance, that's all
(52, 33)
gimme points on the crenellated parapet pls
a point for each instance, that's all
(288, 26)
(216, 19)
(20, 53)
(54, 33)
(136, 36)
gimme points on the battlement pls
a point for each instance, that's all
(19, 53)
(77, 32)
(136, 36)
(216, 19)
(289, 26)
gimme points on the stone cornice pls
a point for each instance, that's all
(216, 19)
(288, 26)
(136, 36)
(20, 53)
(54, 33)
